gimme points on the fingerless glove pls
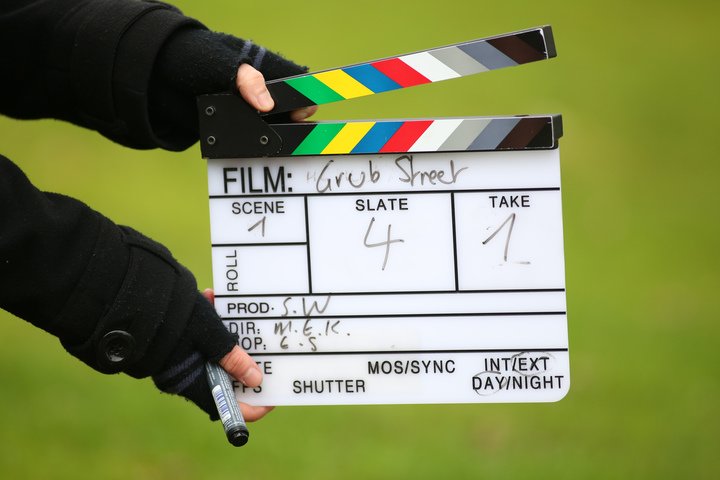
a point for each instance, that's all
(116, 299)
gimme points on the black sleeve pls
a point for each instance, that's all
(129, 69)
(116, 299)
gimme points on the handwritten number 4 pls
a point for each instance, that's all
(387, 242)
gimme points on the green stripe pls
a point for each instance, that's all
(318, 139)
(314, 89)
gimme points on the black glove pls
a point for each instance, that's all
(193, 62)
(159, 325)
(204, 339)
(116, 299)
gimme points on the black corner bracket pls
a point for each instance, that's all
(230, 128)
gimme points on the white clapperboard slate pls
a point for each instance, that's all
(382, 262)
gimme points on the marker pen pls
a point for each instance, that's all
(224, 396)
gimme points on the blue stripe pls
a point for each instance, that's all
(376, 137)
(372, 78)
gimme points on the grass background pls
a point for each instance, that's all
(636, 83)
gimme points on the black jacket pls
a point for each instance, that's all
(130, 70)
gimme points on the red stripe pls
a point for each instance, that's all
(400, 72)
(406, 136)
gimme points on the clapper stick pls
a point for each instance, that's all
(221, 137)
(427, 66)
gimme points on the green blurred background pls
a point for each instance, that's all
(637, 84)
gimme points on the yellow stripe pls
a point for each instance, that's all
(346, 139)
(343, 84)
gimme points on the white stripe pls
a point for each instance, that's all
(432, 68)
(435, 135)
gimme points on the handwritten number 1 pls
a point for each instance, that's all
(510, 219)
(380, 244)
(261, 224)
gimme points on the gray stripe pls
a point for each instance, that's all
(259, 58)
(464, 135)
(458, 60)
(494, 133)
(488, 55)
(246, 49)
(187, 381)
(178, 368)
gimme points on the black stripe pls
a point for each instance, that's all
(523, 48)
(292, 135)
(415, 292)
(543, 138)
(399, 192)
(413, 352)
(307, 247)
(454, 232)
(403, 315)
(268, 244)
(287, 98)
(523, 133)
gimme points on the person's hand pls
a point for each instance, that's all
(251, 85)
(243, 368)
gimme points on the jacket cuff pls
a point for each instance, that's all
(119, 51)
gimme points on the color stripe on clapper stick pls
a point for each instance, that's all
(440, 135)
(418, 68)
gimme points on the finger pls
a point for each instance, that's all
(209, 295)
(251, 85)
(303, 113)
(241, 367)
(252, 413)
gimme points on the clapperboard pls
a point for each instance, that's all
(391, 261)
